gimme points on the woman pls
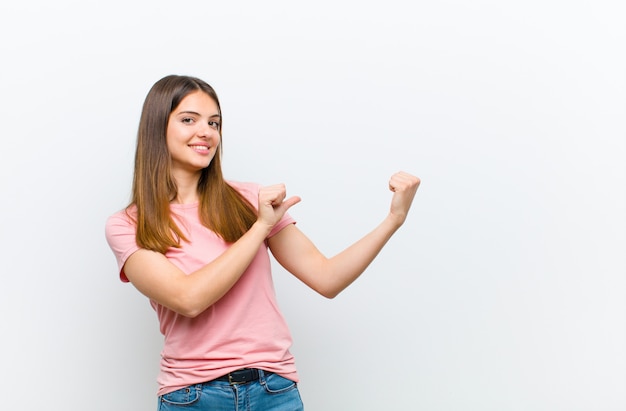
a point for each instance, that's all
(196, 246)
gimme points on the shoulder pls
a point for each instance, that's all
(125, 216)
(121, 222)
(247, 189)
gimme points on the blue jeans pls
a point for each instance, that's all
(270, 393)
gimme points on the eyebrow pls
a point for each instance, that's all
(198, 114)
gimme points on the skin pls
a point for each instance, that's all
(191, 124)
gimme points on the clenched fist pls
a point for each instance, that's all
(404, 187)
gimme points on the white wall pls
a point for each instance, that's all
(506, 288)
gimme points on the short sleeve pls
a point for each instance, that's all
(284, 222)
(121, 235)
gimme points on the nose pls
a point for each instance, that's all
(206, 131)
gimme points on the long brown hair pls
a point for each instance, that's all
(222, 209)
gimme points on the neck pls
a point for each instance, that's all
(187, 189)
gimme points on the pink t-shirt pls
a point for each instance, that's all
(245, 328)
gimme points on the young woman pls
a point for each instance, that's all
(197, 247)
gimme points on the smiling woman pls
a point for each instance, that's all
(192, 140)
(198, 247)
(222, 208)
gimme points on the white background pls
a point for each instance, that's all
(505, 289)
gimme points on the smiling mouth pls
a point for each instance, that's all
(199, 148)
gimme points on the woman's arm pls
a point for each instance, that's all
(160, 280)
(329, 276)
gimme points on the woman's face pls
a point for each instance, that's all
(193, 133)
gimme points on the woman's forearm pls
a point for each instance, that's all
(342, 269)
(205, 286)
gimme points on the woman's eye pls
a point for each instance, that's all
(214, 124)
(187, 120)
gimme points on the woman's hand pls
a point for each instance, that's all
(272, 204)
(404, 187)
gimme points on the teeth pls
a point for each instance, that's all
(199, 147)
